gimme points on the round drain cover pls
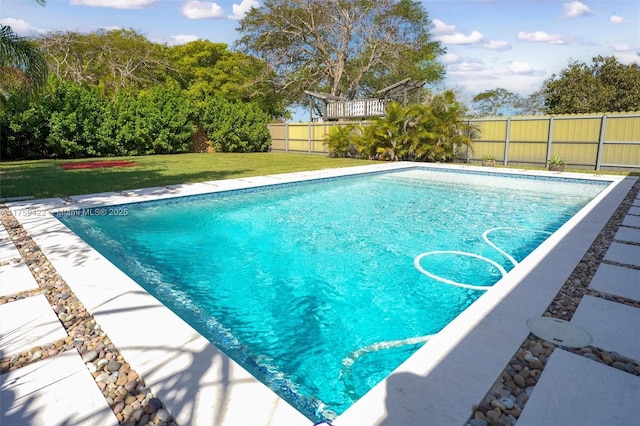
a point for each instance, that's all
(559, 332)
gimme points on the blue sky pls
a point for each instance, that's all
(514, 44)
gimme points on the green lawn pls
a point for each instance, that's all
(45, 178)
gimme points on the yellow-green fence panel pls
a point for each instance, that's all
(622, 129)
(625, 155)
(299, 132)
(481, 149)
(577, 130)
(580, 140)
(490, 130)
(278, 131)
(528, 152)
(576, 153)
(297, 145)
(529, 130)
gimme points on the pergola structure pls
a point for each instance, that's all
(336, 108)
(400, 91)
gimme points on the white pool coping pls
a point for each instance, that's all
(200, 385)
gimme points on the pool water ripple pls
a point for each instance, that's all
(290, 281)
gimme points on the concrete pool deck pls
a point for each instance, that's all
(441, 383)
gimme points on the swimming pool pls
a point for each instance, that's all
(364, 248)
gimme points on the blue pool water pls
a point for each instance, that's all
(322, 289)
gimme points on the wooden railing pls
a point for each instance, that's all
(361, 108)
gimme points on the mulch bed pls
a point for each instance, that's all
(98, 164)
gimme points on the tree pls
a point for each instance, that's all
(205, 68)
(23, 68)
(497, 102)
(393, 133)
(345, 47)
(444, 131)
(533, 104)
(605, 86)
(435, 131)
(110, 60)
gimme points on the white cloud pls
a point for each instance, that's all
(182, 39)
(575, 8)
(616, 19)
(116, 4)
(459, 38)
(461, 66)
(240, 10)
(621, 48)
(440, 27)
(628, 58)
(541, 36)
(450, 58)
(497, 45)
(201, 10)
(21, 27)
(521, 69)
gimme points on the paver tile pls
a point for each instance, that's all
(574, 390)
(8, 250)
(628, 234)
(27, 323)
(617, 280)
(55, 391)
(631, 220)
(612, 325)
(15, 278)
(623, 253)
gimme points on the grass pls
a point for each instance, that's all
(45, 178)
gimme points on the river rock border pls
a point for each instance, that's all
(506, 399)
(124, 390)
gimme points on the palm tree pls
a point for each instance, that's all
(23, 66)
(340, 141)
(444, 130)
(391, 133)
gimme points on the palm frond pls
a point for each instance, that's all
(23, 64)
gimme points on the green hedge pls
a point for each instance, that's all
(234, 126)
(75, 121)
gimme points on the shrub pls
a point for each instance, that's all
(340, 141)
(158, 121)
(166, 120)
(24, 131)
(235, 126)
(76, 116)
